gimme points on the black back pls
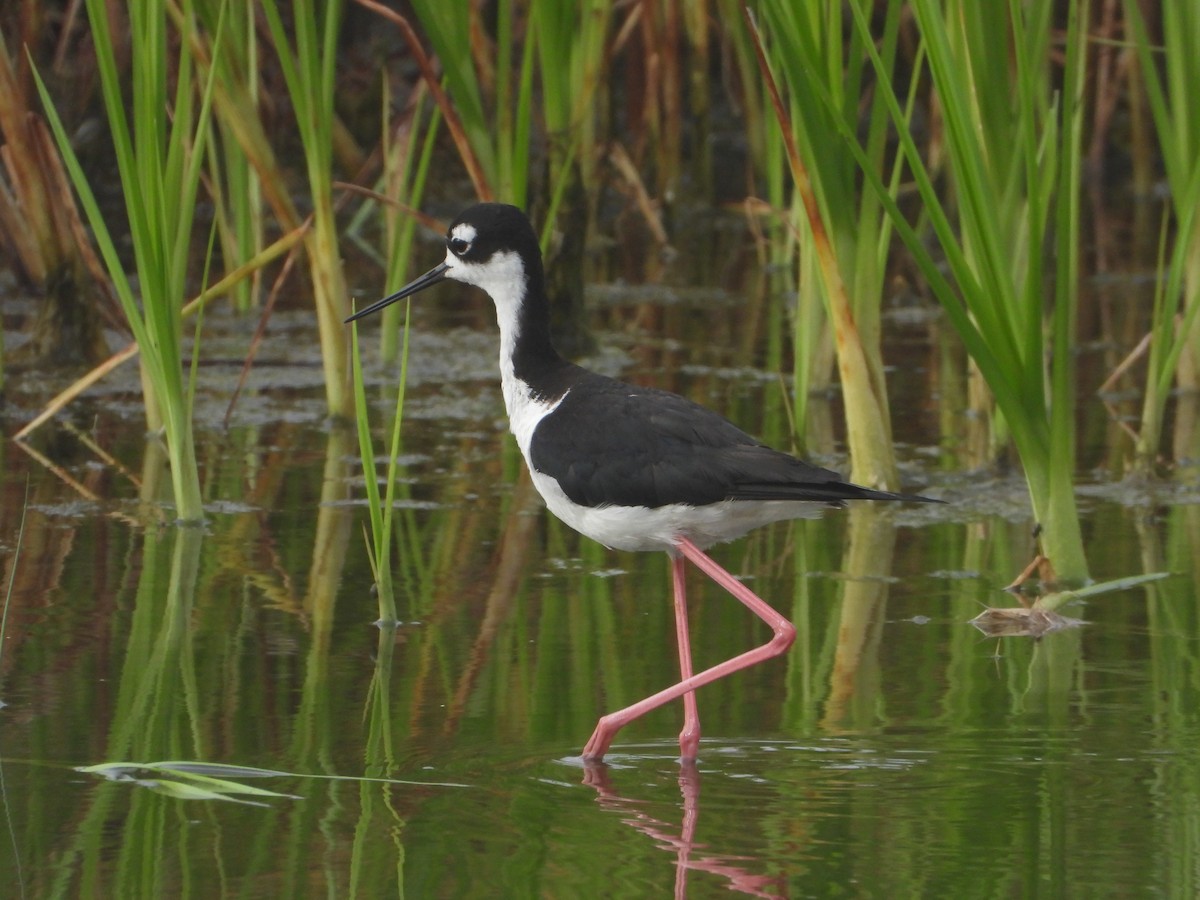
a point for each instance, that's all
(611, 443)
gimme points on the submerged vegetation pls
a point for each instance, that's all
(885, 142)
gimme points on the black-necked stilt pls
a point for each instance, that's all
(631, 467)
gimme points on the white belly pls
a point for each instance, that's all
(642, 528)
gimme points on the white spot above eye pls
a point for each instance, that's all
(464, 231)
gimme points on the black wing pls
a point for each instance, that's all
(610, 443)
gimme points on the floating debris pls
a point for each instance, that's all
(1022, 621)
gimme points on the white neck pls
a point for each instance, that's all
(503, 278)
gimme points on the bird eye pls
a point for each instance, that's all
(459, 246)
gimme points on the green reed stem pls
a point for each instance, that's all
(447, 26)
(235, 184)
(844, 231)
(1171, 73)
(1014, 161)
(380, 509)
(12, 570)
(404, 184)
(309, 70)
(159, 146)
(572, 46)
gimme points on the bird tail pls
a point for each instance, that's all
(822, 492)
(871, 494)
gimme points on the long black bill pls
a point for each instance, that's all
(429, 279)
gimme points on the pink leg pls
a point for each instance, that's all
(689, 738)
(785, 634)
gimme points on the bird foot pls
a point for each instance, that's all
(689, 744)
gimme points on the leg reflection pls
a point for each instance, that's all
(689, 856)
